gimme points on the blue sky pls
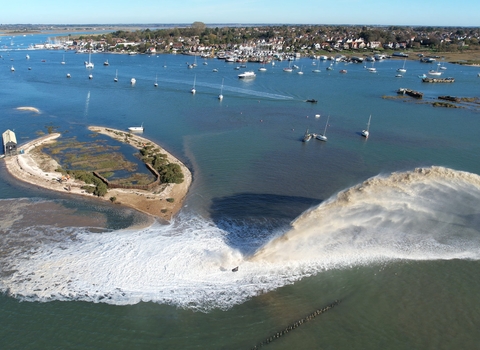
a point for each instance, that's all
(399, 12)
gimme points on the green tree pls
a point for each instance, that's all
(198, 27)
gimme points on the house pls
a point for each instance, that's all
(9, 143)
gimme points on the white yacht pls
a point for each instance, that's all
(136, 128)
(247, 75)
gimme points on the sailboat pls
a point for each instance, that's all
(307, 136)
(317, 70)
(89, 64)
(156, 79)
(220, 97)
(435, 72)
(366, 132)
(372, 69)
(193, 91)
(288, 69)
(402, 70)
(301, 71)
(63, 60)
(116, 76)
(323, 137)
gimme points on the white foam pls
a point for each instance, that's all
(188, 263)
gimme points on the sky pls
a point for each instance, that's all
(354, 12)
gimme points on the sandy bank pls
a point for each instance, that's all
(37, 168)
(32, 109)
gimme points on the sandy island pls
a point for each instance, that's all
(31, 109)
(38, 169)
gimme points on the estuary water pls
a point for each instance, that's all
(388, 225)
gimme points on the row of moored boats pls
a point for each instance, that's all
(323, 137)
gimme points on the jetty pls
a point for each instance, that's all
(409, 92)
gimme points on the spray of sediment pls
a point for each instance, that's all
(430, 213)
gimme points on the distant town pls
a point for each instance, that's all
(260, 43)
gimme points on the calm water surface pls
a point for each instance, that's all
(401, 251)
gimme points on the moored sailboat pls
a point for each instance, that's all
(402, 70)
(193, 90)
(366, 132)
(323, 137)
(220, 97)
(89, 64)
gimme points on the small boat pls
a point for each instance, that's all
(136, 128)
(156, 81)
(402, 70)
(323, 137)
(300, 72)
(307, 136)
(89, 64)
(106, 63)
(68, 75)
(12, 69)
(90, 76)
(247, 75)
(343, 71)
(435, 72)
(193, 91)
(372, 69)
(311, 100)
(133, 81)
(63, 60)
(220, 97)
(262, 69)
(116, 76)
(214, 70)
(366, 132)
(398, 76)
(27, 56)
(288, 69)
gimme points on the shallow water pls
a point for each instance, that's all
(299, 219)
